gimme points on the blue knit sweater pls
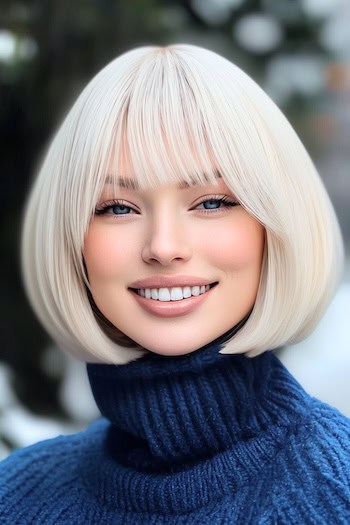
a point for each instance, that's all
(199, 439)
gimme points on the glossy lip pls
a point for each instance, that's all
(171, 308)
(169, 281)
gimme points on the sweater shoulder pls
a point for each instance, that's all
(329, 432)
(311, 471)
(32, 477)
(324, 441)
(315, 465)
(51, 452)
(330, 425)
(321, 433)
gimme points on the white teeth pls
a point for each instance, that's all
(186, 292)
(196, 290)
(175, 294)
(172, 294)
(164, 294)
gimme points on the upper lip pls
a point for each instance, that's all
(170, 281)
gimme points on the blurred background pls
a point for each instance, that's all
(298, 50)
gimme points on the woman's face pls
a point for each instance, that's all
(185, 234)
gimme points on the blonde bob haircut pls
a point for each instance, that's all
(180, 114)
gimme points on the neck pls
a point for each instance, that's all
(170, 411)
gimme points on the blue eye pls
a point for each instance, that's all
(121, 207)
(215, 204)
(113, 208)
(211, 204)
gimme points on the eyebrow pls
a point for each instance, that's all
(125, 182)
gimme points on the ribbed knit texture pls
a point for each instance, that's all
(204, 438)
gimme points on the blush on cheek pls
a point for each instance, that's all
(96, 264)
(238, 247)
(105, 253)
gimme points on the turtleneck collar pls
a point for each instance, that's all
(168, 413)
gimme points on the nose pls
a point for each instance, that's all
(166, 241)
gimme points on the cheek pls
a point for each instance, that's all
(238, 246)
(104, 254)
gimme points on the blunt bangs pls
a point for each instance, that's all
(179, 114)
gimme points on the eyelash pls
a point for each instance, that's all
(104, 208)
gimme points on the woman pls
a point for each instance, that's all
(176, 234)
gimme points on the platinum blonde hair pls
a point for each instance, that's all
(180, 113)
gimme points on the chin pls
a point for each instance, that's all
(180, 345)
(175, 350)
(171, 351)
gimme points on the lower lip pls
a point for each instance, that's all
(172, 308)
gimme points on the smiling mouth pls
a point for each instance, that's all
(172, 294)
